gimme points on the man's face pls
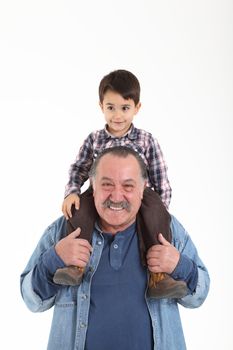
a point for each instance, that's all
(118, 112)
(118, 191)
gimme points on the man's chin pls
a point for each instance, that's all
(114, 223)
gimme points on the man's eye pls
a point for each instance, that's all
(128, 188)
(110, 108)
(125, 108)
(107, 185)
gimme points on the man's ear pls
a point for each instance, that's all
(145, 183)
(92, 184)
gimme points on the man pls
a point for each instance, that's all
(111, 309)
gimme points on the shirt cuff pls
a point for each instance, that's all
(186, 270)
(52, 261)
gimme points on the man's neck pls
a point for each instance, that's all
(114, 229)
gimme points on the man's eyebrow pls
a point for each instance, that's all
(106, 178)
(129, 181)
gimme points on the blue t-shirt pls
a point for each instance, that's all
(118, 316)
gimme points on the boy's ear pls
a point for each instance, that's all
(138, 107)
(101, 106)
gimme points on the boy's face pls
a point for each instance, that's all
(118, 112)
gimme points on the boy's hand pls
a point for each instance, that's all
(73, 198)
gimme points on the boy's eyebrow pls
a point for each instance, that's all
(124, 104)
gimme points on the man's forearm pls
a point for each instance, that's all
(186, 270)
(42, 277)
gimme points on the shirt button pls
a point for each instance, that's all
(99, 242)
(82, 325)
(115, 246)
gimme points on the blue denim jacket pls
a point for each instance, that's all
(71, 304)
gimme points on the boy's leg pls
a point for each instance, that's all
(84, 218)
(152, 219)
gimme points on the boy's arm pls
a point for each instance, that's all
(158, 171)
(79, 170)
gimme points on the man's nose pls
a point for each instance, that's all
(117, 194)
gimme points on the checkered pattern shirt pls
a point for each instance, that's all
(140, 140)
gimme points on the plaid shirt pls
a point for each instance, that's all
(138, 139)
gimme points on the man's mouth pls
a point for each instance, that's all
(117, 206)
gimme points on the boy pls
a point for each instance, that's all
(119, 96)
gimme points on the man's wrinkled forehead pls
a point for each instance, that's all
(116, 161)
(118, 168)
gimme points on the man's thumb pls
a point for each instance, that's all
(162, 240)
(75, 233)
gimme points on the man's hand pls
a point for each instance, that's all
(73, 250)
(162, 257)
(73, 198)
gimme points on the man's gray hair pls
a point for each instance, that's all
(122, 152)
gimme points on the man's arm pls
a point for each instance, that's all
(182, 262)
(32, 298)
(166, 258)
(184, 244)
(52, 252)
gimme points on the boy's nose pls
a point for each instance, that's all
(117, 114)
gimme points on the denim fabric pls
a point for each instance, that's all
(71, 304)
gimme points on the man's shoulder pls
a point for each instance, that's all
(57, 229)
(179, 234)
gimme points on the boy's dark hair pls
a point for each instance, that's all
(123, 82)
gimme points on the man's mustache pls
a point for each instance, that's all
(116, 205)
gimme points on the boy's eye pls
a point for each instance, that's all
(110, 108)
(125, 108)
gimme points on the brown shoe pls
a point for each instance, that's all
(68, 276)
(167, 287)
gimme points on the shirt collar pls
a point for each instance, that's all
(131, 133)
(127, 232)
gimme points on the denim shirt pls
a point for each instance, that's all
(71, 304)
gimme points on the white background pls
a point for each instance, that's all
(53, 55)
